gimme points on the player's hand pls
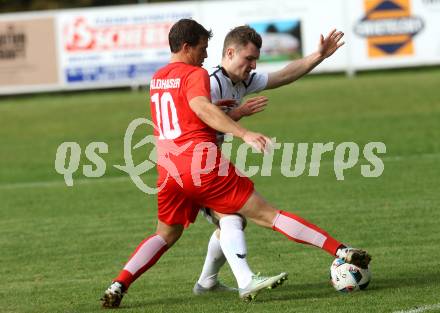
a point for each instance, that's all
(253, 105)
(258, 141)
(331, 43)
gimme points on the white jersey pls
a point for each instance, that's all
(222, 86)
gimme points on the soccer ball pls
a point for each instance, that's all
(346, 277)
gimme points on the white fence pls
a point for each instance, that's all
(124, 45)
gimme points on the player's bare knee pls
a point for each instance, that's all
(170, 238)
(264, 216)
(169, 233)
(259, 210)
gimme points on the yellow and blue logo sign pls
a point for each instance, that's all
(389, 27)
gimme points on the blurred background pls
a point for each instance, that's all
(78, 72)
(32, 5)
(85, 45)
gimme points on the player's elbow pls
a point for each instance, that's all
(197, 105)
(202, 112)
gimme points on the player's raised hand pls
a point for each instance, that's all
(328, 45)
(257, 141)
(253, 105)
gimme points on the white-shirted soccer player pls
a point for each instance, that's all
(230, 83)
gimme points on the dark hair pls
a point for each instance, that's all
(186, 31)
(241, 36)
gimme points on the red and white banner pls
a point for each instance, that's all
(116, 45)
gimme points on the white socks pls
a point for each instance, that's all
(213, 262)
(233, 244)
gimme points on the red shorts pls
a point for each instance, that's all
(224, 194)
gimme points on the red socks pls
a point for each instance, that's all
(297, 229)
(145, 256)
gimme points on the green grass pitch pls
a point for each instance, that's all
(60, 246)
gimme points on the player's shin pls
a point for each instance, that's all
(233, 243)
(145, 256)
(213, 262)
(298, 229)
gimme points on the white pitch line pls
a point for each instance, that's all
(424, 308)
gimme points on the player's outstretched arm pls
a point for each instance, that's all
(298, 68)
(216, 119)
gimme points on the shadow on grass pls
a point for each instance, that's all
(378, 284)
(420, 279)
(181, 300)
(287, 292)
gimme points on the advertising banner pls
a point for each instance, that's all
(27, 54)
(116, 46)
(289, 29)
(124, 45)
(394, 33)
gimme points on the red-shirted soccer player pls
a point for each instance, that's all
(186, 122)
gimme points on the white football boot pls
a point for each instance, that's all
(258, 283)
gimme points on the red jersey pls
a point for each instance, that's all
(178, 128)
